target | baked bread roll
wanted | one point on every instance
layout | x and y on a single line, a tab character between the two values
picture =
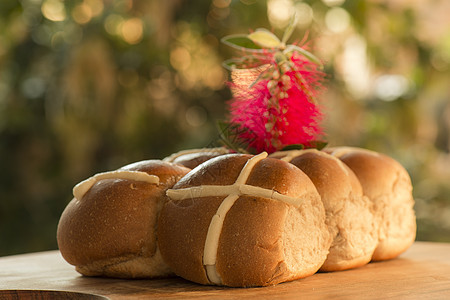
194	157
388	186
349	214
109	228
240	220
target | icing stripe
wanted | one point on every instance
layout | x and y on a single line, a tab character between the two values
247	169
226	190
83	187
291	154
202	191
256	191
215	227
212	274
218	150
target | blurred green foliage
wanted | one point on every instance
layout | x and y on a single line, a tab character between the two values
91	85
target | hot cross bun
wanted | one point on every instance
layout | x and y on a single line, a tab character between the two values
241	220
109	228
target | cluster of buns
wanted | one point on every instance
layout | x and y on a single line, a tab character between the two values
221	218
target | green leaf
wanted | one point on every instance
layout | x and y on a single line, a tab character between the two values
265	38
319	145
241	42
231	63
289	29
229	136
308	55
293	147
222	126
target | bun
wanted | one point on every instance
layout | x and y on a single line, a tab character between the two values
193	158
387	184
109	228
349	214
241	220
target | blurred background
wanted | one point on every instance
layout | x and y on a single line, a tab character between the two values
91	85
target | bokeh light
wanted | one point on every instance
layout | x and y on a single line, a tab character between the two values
82	13
113	24
355	66
132	30
333	2
280	12
337	19
391	87
54	10
304	14
196	116
180	58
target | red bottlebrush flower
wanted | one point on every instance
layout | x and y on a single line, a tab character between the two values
275	107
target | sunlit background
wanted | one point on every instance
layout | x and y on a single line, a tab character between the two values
91	85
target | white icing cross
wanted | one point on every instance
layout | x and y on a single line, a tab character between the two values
289	154
341	151
232	193
218	150
83	187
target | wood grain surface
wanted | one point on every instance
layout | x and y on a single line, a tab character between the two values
423	272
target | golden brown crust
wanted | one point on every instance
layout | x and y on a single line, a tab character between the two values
254	241
252	257
376	172
114	224
168	173
182	230
88	225
270	175
388	186
349	213
330	177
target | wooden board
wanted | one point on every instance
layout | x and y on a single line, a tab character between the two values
423	272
